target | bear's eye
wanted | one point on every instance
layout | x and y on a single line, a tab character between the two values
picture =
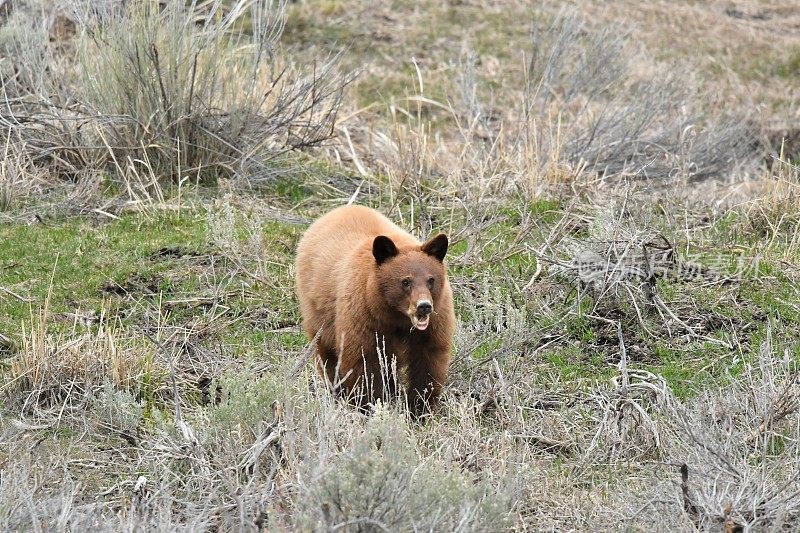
430	283
406	283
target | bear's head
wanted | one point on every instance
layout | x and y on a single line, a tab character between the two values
411	280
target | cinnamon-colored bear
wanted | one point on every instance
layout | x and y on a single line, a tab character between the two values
373	294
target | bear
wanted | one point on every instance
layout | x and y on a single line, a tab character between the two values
371	293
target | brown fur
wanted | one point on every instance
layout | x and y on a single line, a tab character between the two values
360	304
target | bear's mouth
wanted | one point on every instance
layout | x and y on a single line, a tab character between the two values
420	322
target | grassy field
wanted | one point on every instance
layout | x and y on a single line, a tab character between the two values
621	188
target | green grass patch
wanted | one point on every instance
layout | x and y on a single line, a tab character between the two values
74	261
165	265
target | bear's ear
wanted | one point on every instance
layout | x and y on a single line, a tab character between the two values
437	247
383	248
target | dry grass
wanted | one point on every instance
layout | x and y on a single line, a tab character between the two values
276	452
55	370
742	48
586	104
19	178
775	211
564	120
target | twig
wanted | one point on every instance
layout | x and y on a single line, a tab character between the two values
15	295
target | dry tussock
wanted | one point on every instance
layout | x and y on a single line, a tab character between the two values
59	369
775	212
20	179
734	445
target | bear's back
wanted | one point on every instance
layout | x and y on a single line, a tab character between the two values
334	235
331	248
355	223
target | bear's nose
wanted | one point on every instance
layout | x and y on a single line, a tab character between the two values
424	308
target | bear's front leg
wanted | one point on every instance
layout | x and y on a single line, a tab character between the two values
427	374
326	363
364	373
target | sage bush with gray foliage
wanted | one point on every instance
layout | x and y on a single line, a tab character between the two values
587	101
160	94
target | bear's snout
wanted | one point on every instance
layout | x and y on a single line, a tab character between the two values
420	317
424	308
